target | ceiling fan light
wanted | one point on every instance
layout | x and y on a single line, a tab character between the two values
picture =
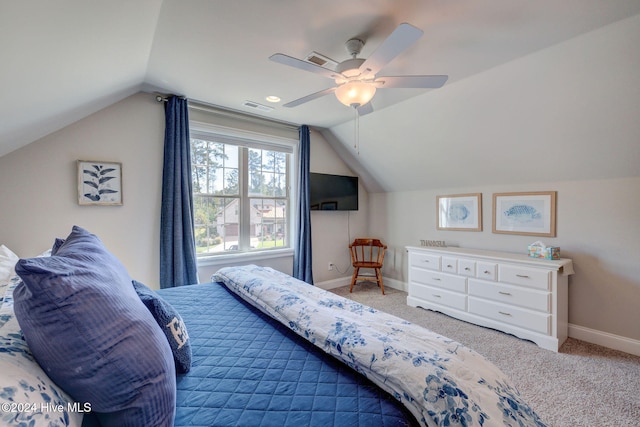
355	93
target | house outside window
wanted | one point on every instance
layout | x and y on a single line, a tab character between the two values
241	193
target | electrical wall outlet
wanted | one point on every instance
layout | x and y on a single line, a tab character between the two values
330	266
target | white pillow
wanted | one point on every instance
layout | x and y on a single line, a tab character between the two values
29	396
7	263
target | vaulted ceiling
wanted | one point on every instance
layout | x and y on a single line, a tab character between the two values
63	60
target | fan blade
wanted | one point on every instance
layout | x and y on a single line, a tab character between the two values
365	109
429	82
303	65
309	97
399	40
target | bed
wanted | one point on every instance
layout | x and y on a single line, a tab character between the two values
264	350
248	369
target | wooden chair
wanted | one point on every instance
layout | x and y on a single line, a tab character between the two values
367	253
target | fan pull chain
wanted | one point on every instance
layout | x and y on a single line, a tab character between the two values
356	136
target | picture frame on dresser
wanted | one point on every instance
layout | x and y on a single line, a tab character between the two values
459	212
99	183
528	213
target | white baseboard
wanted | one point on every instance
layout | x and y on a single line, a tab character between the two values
395	284
332	284
605	339
345	281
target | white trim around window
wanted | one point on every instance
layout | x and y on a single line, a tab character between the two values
255	140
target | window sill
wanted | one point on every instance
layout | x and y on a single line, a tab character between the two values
244	257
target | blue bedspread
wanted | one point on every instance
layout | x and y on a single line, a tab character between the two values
442	382
250	370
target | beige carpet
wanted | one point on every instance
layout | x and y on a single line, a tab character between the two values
582	385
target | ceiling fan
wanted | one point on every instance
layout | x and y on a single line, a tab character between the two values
355	78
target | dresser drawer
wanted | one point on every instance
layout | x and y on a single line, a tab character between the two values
527	298
487	270
467	267
521	317
441	280
439	296
432	262
510	292
449	265
534	278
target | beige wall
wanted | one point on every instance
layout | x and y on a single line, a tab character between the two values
332	231
39	189
597	227
40	192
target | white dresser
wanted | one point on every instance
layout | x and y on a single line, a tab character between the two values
513	293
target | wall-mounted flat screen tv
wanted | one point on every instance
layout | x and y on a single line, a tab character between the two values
333	192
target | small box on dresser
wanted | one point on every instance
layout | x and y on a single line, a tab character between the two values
513	293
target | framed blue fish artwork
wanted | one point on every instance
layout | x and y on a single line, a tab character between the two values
459	212
530	213
99	183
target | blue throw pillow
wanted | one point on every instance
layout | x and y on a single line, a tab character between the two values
171	324
56	245
87	328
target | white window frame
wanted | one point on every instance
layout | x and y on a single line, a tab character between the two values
250	139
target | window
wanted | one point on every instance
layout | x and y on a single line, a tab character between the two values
240	193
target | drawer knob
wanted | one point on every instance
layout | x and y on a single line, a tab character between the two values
504	293
437	278
524	276
437	296
467	269
504	313
487	272
449	266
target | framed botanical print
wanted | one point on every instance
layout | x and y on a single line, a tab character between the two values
99	183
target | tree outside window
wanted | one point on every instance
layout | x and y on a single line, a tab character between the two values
241	200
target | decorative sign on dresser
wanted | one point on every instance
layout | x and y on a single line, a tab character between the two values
513	293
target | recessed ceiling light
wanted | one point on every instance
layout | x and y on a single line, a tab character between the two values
272	98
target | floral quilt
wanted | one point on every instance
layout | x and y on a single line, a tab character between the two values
28	397
442	382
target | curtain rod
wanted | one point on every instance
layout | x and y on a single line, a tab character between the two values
211	108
